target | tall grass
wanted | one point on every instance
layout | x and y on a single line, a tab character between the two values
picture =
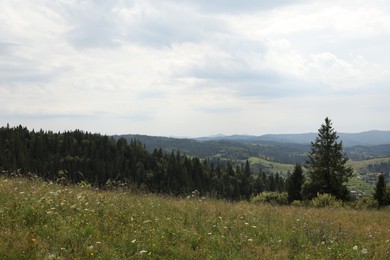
40	220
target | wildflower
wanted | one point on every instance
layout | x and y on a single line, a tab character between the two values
133	241
355	248
254	227
364	251
246	223
209	233
250	239
143	252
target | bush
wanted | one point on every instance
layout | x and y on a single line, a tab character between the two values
365	203
297	203
274	198
325	200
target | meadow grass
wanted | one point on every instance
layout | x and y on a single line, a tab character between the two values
40	220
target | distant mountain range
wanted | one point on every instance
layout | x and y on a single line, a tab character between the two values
369	138
283	148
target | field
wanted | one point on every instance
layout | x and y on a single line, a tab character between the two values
362	166
40	220
266	165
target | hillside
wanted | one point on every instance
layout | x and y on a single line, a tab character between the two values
368	138
245	147
227	149
41	220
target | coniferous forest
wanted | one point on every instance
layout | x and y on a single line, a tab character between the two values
78	156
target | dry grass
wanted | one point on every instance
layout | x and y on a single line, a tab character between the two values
39	220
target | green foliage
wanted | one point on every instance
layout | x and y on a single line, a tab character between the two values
325	200
365	203
380	190
327	165
104	162
297	203
274	198
294	184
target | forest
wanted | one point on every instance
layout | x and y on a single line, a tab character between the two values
78	156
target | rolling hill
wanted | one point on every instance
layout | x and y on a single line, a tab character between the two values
274	151
368	138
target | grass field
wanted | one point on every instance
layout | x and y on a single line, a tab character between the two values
266	165
40	220
361	166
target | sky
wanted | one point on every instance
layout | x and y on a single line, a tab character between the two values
195	68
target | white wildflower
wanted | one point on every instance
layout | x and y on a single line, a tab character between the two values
355	248
143	252
364	251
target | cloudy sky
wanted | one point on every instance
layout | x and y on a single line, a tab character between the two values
195	67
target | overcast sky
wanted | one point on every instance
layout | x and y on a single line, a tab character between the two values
195	67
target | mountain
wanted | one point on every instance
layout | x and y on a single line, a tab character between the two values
281	148
369	138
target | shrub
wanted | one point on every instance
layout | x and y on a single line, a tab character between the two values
325	200
365	203
296	203
274	198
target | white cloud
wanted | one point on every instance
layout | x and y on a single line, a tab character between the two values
194	67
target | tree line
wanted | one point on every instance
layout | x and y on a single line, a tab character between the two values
76	156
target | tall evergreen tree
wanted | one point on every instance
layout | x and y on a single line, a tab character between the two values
327	169
294	184
380	190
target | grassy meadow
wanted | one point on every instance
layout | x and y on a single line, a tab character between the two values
40	220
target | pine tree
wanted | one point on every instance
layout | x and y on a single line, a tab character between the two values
380	190
294	184
327	169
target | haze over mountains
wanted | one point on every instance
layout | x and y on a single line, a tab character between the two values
368	138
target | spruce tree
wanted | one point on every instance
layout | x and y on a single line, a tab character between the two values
327	169
380	190
294	184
